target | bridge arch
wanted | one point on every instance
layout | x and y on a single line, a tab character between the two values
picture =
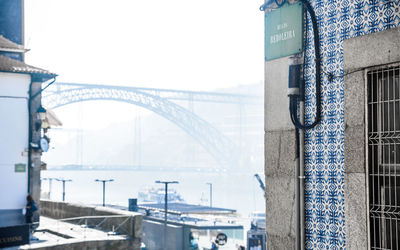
211	139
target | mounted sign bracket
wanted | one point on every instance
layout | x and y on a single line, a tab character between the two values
284	31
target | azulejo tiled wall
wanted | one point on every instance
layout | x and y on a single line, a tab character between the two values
325	198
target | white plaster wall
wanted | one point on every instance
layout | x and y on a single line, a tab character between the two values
12	84
13	139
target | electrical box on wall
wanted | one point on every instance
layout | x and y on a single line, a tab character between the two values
284	31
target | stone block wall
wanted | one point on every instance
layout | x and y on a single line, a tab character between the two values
63	210
34	169
335	177
360	54
279	158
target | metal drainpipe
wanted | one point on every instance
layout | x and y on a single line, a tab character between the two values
299	184
300	188
29	136
297	190
301	178
295	91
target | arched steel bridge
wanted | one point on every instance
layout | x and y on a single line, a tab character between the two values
160	101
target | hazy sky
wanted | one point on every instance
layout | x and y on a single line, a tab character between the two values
179	44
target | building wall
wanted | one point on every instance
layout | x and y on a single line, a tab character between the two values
279	158
384	48
14	100
153	234
34	184
330	189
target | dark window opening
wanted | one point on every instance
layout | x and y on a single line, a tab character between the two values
384	157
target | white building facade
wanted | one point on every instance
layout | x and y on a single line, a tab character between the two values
20	133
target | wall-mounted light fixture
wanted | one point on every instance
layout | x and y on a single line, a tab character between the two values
41	116
41	113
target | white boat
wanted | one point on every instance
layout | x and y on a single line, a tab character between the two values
157	195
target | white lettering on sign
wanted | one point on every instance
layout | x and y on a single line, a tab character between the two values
281	26
282	36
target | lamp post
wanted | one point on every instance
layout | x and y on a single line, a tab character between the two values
50	182
209	183
166	207
63	182
104	188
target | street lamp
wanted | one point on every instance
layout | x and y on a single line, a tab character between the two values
50	182
41	116
63	181
41	113
209	183
104	188
166	207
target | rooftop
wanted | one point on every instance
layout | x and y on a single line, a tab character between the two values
10	65
9	46
188	208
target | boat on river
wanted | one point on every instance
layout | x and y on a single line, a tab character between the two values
157	195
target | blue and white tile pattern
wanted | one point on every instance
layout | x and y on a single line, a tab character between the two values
325	198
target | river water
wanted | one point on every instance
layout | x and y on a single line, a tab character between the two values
238	191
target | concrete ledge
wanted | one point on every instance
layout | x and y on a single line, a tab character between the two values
56	234
371	50
84	244
63	210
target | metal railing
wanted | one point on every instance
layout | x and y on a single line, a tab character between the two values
112	223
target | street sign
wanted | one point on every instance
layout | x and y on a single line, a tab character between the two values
20	168
221	239
284	31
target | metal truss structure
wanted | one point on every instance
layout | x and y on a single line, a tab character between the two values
169	94
160	102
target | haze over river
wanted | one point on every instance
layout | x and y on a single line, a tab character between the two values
233	190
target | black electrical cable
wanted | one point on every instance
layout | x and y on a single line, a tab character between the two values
293	99
264	6
280	4
293	112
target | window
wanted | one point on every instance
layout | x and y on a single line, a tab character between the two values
384	157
